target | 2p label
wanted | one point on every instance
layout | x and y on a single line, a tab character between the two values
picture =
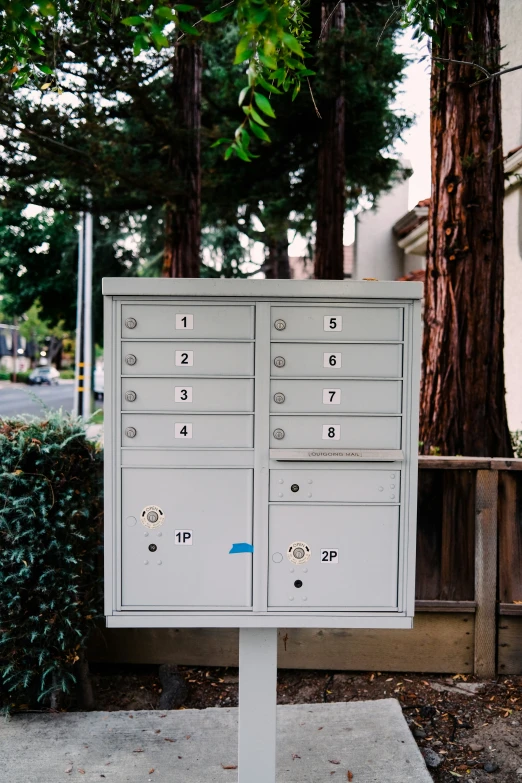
330	556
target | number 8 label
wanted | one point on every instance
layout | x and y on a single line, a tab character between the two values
331	432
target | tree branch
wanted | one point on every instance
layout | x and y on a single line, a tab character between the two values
488	76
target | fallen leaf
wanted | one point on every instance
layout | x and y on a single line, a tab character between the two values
320	728
69	768
295	756
180	757
187	736
349	775
158	731
151	771
168	739
81	771
333	761
138	750
229	766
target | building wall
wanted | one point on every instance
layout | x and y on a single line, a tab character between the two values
376	251
511	38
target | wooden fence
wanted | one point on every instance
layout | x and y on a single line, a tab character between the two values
469	592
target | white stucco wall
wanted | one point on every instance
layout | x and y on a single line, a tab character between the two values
376	251
511	37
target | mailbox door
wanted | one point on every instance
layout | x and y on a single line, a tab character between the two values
187	358
353	562
188	394
187	321
205	513
186	431
350	432
321	396
330	361
337	323
353	485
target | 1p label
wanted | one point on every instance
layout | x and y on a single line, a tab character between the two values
183	537
330	556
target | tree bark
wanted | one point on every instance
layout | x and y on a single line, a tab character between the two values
277	264
463	407
181	256
331	174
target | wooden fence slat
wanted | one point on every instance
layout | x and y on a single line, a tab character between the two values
429	535
486	572
458	536
510	537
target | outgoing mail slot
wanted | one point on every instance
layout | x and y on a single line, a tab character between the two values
337	323
188	394
186	321
351	558
340	397
186	358
336	361
357	485
186	431
183	559
341	432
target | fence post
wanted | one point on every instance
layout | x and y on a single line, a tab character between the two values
486	523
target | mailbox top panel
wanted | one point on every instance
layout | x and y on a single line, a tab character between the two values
262	289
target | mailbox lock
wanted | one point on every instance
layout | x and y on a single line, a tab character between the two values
279	397
280	324
279	361
131	323
279	434
297	582
130	396
130	359
130	432
152	547
295	487
152	517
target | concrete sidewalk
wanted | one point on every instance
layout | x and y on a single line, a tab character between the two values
370	739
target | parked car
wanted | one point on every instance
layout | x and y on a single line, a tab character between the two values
98	382
41	375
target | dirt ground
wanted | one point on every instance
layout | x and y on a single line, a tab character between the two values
466	728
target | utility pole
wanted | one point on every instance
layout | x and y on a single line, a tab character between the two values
83	368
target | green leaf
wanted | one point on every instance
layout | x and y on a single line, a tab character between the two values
259	132
270	62
257	117
20	80
296	91
240	58
46	8
188	28
141	42
217	16
218	142
228	152
164	12
242	95
133	20
159	38
292	43
264	104
184	7
44	69
241	153
243	48
269	87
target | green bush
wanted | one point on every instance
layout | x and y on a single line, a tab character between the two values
516	440
21	377
50	545
67	374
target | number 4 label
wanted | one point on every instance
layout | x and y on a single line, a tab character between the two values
330	556
182	430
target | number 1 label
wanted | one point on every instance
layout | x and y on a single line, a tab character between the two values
184	321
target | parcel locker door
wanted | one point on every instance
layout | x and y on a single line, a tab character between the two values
186	358
187	321
197	395
335	322
178	527
350	485
331	361
344	432
333	557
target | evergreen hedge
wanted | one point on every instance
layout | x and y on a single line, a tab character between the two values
50	547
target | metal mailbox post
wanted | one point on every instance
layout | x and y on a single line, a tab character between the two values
260	465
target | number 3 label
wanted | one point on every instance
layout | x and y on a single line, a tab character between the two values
331	432
182	393
333	323
182	430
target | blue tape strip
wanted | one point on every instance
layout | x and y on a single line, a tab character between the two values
238	548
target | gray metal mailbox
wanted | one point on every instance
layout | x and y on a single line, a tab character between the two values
261	453
260	465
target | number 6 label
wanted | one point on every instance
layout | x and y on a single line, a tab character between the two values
331	431
332	360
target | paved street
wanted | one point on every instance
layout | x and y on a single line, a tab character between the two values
21	398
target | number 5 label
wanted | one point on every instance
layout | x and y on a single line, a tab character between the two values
333	323
331	432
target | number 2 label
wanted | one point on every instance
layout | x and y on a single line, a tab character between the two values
331	432
184	358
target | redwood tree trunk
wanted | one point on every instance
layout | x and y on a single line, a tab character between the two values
181	256
331	175
277	264
462	395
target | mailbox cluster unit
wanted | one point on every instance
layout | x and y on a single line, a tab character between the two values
261	442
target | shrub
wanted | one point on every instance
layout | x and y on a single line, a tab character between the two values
67	374
516	440
50	545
